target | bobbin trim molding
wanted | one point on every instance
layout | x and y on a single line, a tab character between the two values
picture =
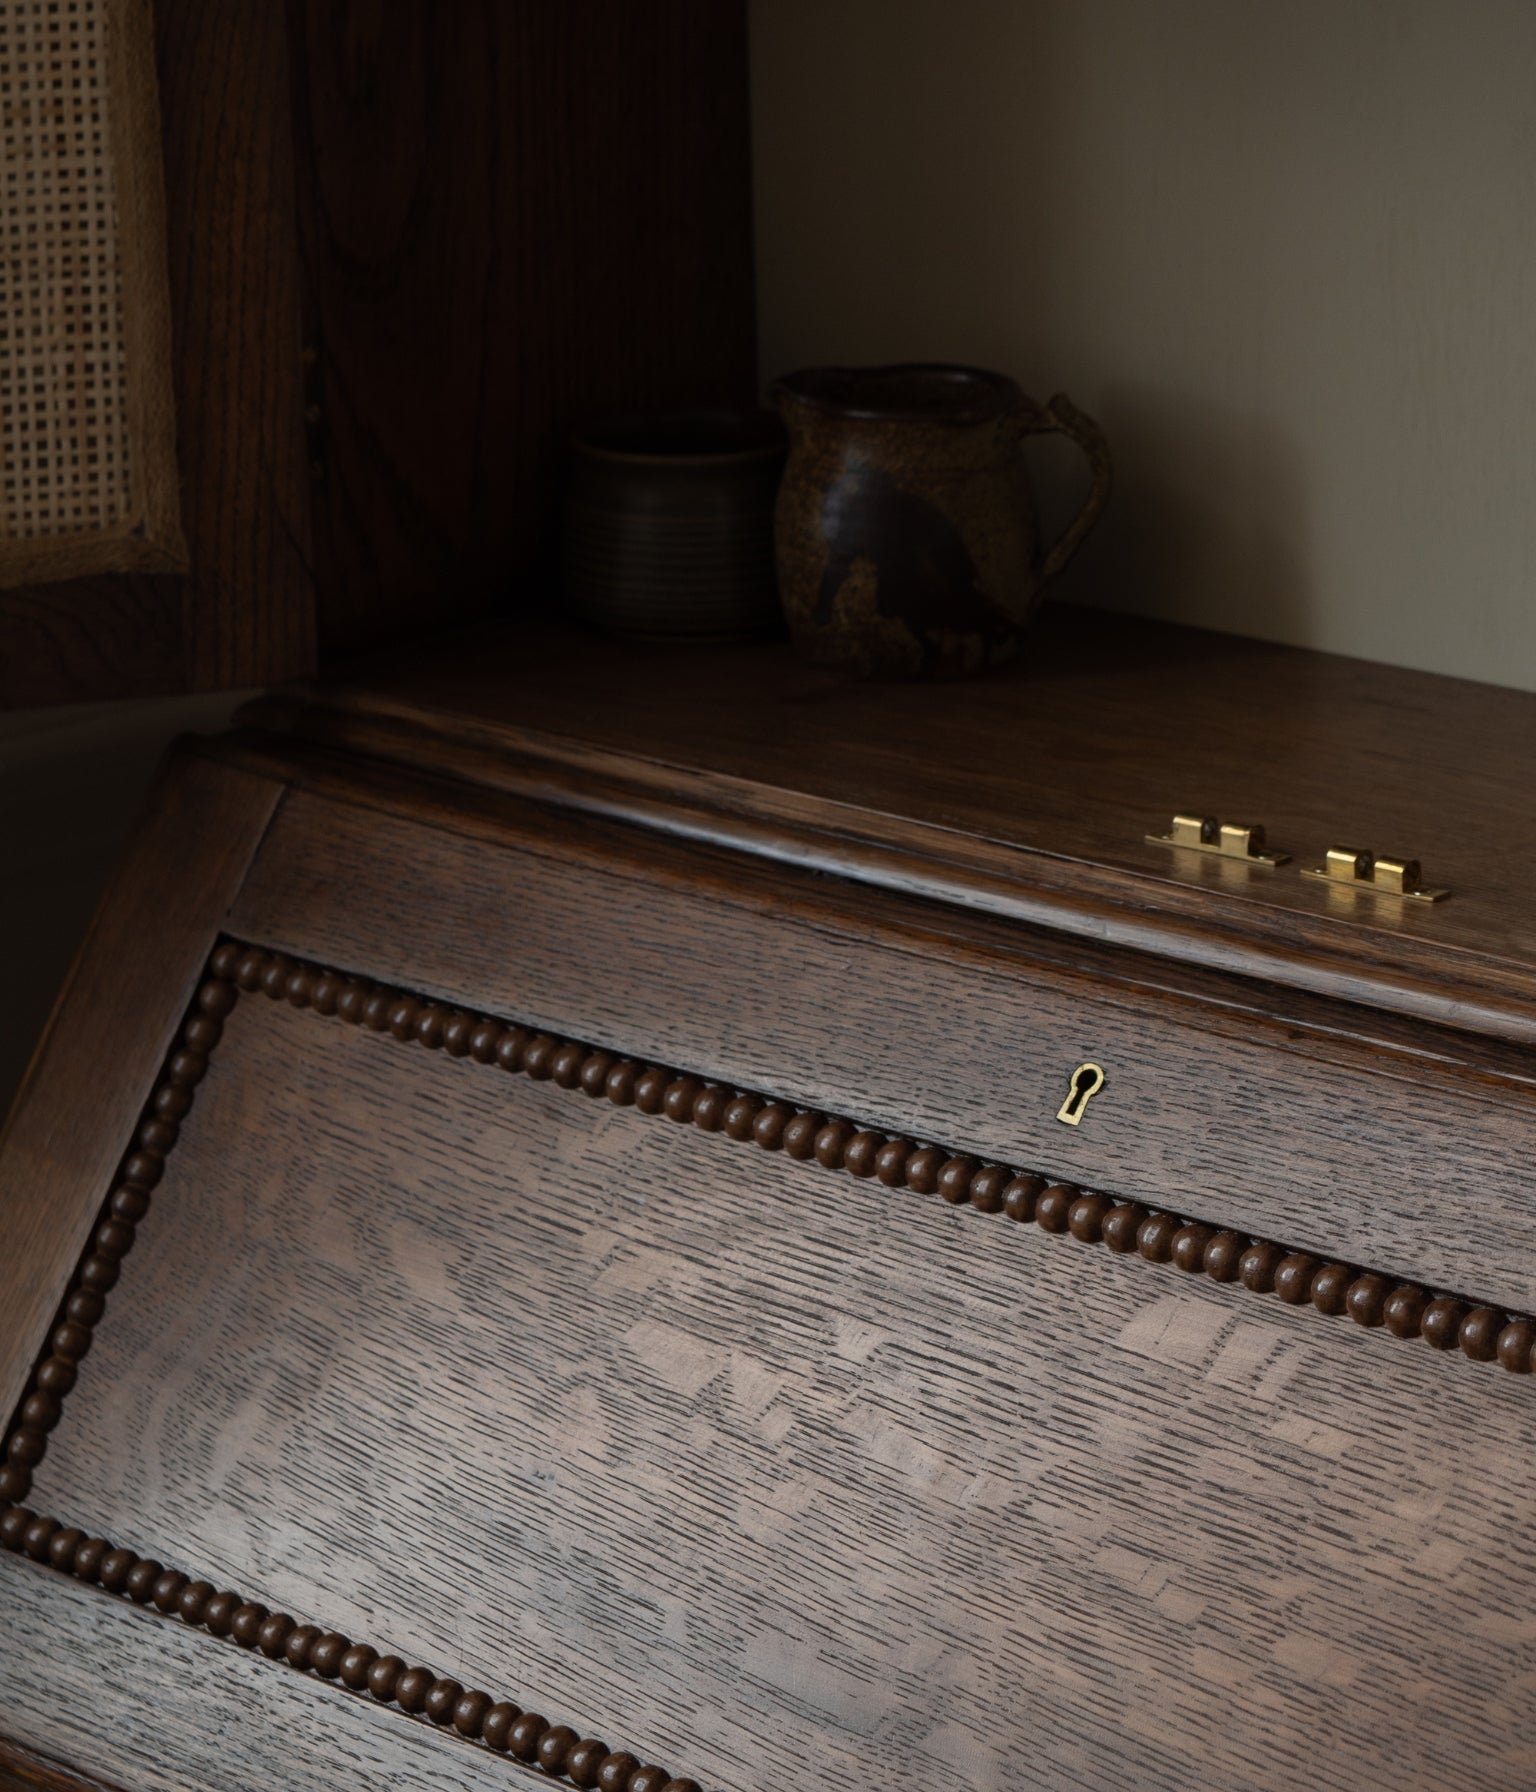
1127	1228
501	1724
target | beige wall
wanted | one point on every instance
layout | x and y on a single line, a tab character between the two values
1285	250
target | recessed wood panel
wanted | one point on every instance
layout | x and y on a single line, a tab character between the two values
791	1480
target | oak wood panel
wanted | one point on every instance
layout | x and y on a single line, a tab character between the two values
1030	792
155	1707
781	1476
511	215
1411	1167
245	614
74	1114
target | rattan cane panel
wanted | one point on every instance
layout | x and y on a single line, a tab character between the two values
61	307
85	428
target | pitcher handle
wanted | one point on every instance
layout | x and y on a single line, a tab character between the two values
1062	415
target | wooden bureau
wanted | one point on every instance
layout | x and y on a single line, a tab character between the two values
542	1237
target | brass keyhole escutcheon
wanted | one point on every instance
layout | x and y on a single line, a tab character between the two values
1087	1080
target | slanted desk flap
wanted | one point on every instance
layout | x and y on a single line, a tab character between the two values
769	1475
602	1409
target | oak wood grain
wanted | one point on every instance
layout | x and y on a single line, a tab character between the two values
784	1476
74	1113
155	1707
248	610
1029	793
1412	1166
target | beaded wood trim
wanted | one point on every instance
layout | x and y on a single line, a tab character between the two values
1127	1228
501	1724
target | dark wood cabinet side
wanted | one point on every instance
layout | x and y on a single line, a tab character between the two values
410	246
511	216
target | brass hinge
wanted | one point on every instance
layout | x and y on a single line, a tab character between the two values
1378	876
1204	833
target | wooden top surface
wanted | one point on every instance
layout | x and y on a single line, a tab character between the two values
1030	792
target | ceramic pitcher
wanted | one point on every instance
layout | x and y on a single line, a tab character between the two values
905	534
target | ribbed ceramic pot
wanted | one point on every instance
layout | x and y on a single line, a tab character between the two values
906	539
668	523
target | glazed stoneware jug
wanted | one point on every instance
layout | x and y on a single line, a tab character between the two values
905	532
